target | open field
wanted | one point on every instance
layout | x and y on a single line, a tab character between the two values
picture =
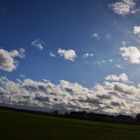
26	126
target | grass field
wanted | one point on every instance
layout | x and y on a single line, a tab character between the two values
25	126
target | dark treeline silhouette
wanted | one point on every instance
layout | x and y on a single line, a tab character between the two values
104	117
82	115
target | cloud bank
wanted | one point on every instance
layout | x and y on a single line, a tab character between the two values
112	97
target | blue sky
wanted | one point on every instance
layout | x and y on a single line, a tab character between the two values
67	25
81	41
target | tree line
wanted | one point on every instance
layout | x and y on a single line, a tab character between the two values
82	115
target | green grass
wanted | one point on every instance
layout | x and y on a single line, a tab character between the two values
25	126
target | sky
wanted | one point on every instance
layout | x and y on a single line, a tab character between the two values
71	55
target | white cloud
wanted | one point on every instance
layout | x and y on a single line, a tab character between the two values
124	7
136	30
67	54
38	44
22	75
17	53
95	35
119	66
88	55
110	97
124	43
113	77
52	54
135	10
131	54
7	59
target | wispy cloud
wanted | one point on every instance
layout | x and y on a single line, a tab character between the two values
95	35
38	44
52	54
119	66
88	55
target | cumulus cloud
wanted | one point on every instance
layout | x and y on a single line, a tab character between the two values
8	59
131	54
124	7
88	55
113	77
67	54
113	96
38	44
